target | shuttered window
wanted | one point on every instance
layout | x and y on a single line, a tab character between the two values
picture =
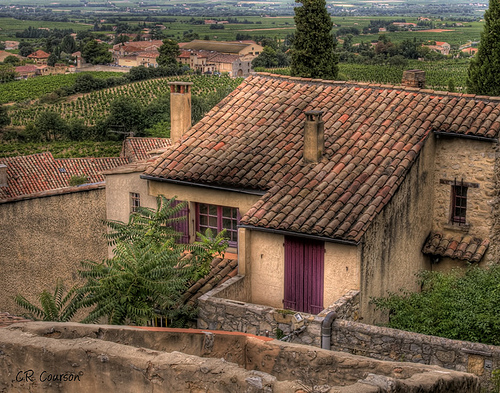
304	267
182	226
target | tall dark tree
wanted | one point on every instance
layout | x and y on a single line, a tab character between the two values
96	53
313	47
4	117
168	53
484	69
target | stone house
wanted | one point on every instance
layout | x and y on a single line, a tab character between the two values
40	57
325	187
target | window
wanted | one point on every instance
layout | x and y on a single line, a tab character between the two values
135	201
218	218
458	203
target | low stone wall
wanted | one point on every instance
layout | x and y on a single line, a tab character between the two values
71	357
392	344
348	335
220	311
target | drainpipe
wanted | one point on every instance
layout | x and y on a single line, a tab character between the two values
326	330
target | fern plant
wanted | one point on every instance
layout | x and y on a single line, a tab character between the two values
53	307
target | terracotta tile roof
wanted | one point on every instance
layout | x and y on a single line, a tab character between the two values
221	271
6	319
253	140
222	58
137	149
41	172
218	46
464	247
26	68
39	54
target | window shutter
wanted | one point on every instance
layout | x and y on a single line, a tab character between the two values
182	226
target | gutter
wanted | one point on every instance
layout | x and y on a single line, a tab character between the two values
326	330
290	233
210	186
465	136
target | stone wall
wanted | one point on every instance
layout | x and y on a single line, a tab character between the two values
45	238
391	344
218	311
69	357
347	334
473	161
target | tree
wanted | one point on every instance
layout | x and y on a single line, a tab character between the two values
96	53
7	73
53	307
14	60
4	117
126	115
52	60
313	47
149	271
168	53
484	68
68	44
25	48
50	126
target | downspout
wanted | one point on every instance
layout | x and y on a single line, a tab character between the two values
326	330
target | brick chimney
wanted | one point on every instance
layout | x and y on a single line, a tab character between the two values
3	176
414	78
180	109
314	140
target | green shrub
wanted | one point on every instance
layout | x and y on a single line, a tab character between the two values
461	305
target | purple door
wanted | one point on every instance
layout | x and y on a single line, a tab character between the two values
304	262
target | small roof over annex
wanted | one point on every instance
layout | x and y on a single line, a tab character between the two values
253	141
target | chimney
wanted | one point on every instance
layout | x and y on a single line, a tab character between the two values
180	109
414	78
314	140
3	176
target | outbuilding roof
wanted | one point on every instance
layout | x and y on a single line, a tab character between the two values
253	141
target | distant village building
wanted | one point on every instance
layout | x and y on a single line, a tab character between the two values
40	57
440	47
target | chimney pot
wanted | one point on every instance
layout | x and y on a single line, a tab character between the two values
180	109
414	78
314	139
3	176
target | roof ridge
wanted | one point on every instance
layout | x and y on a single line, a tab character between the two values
378	85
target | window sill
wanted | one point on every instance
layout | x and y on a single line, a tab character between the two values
457	227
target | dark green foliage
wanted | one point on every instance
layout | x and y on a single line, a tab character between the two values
484	69
4	117
96	53
149	271
168	53
14	60
78	180
457	305
52	60
53	307
313	47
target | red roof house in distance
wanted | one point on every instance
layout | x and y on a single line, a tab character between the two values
39	56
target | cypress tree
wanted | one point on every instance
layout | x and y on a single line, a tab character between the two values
484	69
313	48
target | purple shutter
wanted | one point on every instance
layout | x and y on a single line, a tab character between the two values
183	225
304	263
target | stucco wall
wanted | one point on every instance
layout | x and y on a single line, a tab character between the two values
118	189
267	265
391	253
46	238
474	162
195	194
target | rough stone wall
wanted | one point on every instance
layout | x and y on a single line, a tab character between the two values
62	357
46	238
217	311
392	247
474	162
391	344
